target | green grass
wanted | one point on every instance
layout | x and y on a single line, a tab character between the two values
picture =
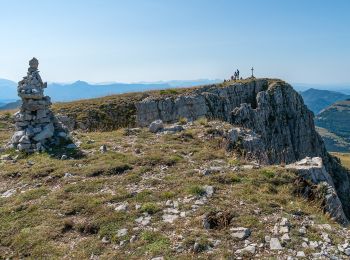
196	190
52	216
150	208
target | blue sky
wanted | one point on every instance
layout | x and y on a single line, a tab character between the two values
148	40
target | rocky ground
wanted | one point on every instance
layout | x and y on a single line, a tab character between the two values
133	194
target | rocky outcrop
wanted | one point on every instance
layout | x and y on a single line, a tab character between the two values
270	108
36	126
312	169
273	125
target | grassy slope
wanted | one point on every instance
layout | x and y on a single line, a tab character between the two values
110	112
333	142
344	157
335	119
53	214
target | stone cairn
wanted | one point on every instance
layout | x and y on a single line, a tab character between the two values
37	129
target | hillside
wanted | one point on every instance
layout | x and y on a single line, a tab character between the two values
224	177
335	119
333	142
317	99
148	195
11	105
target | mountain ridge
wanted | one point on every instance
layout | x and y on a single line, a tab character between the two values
317	99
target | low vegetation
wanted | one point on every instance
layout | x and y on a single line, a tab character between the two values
92	206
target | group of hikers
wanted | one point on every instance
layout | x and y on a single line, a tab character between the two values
235	76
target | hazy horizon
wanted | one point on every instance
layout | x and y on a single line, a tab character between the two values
139	40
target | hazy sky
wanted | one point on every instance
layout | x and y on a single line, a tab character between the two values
147	40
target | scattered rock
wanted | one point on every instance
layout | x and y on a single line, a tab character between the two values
169	218
301	254
285	238
240	233
302	230
212	170
275	244
105	240
250	249
209	190
284	229
64	157
122	207
132	239
122	232
143	220
174	129
103	149
8	193
67	175
267	239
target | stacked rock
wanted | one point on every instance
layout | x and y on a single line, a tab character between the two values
36	126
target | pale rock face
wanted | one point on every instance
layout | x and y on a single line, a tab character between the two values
36	126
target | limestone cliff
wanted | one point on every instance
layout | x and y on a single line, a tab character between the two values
271	108
283	127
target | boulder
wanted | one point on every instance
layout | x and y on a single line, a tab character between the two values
156	126
240	233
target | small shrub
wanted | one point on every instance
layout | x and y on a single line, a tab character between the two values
183	120
196	190
268	173
169	92
226	179
167	195
150	208
203	121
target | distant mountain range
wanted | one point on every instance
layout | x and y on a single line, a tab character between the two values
317	99
342	88
60	92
